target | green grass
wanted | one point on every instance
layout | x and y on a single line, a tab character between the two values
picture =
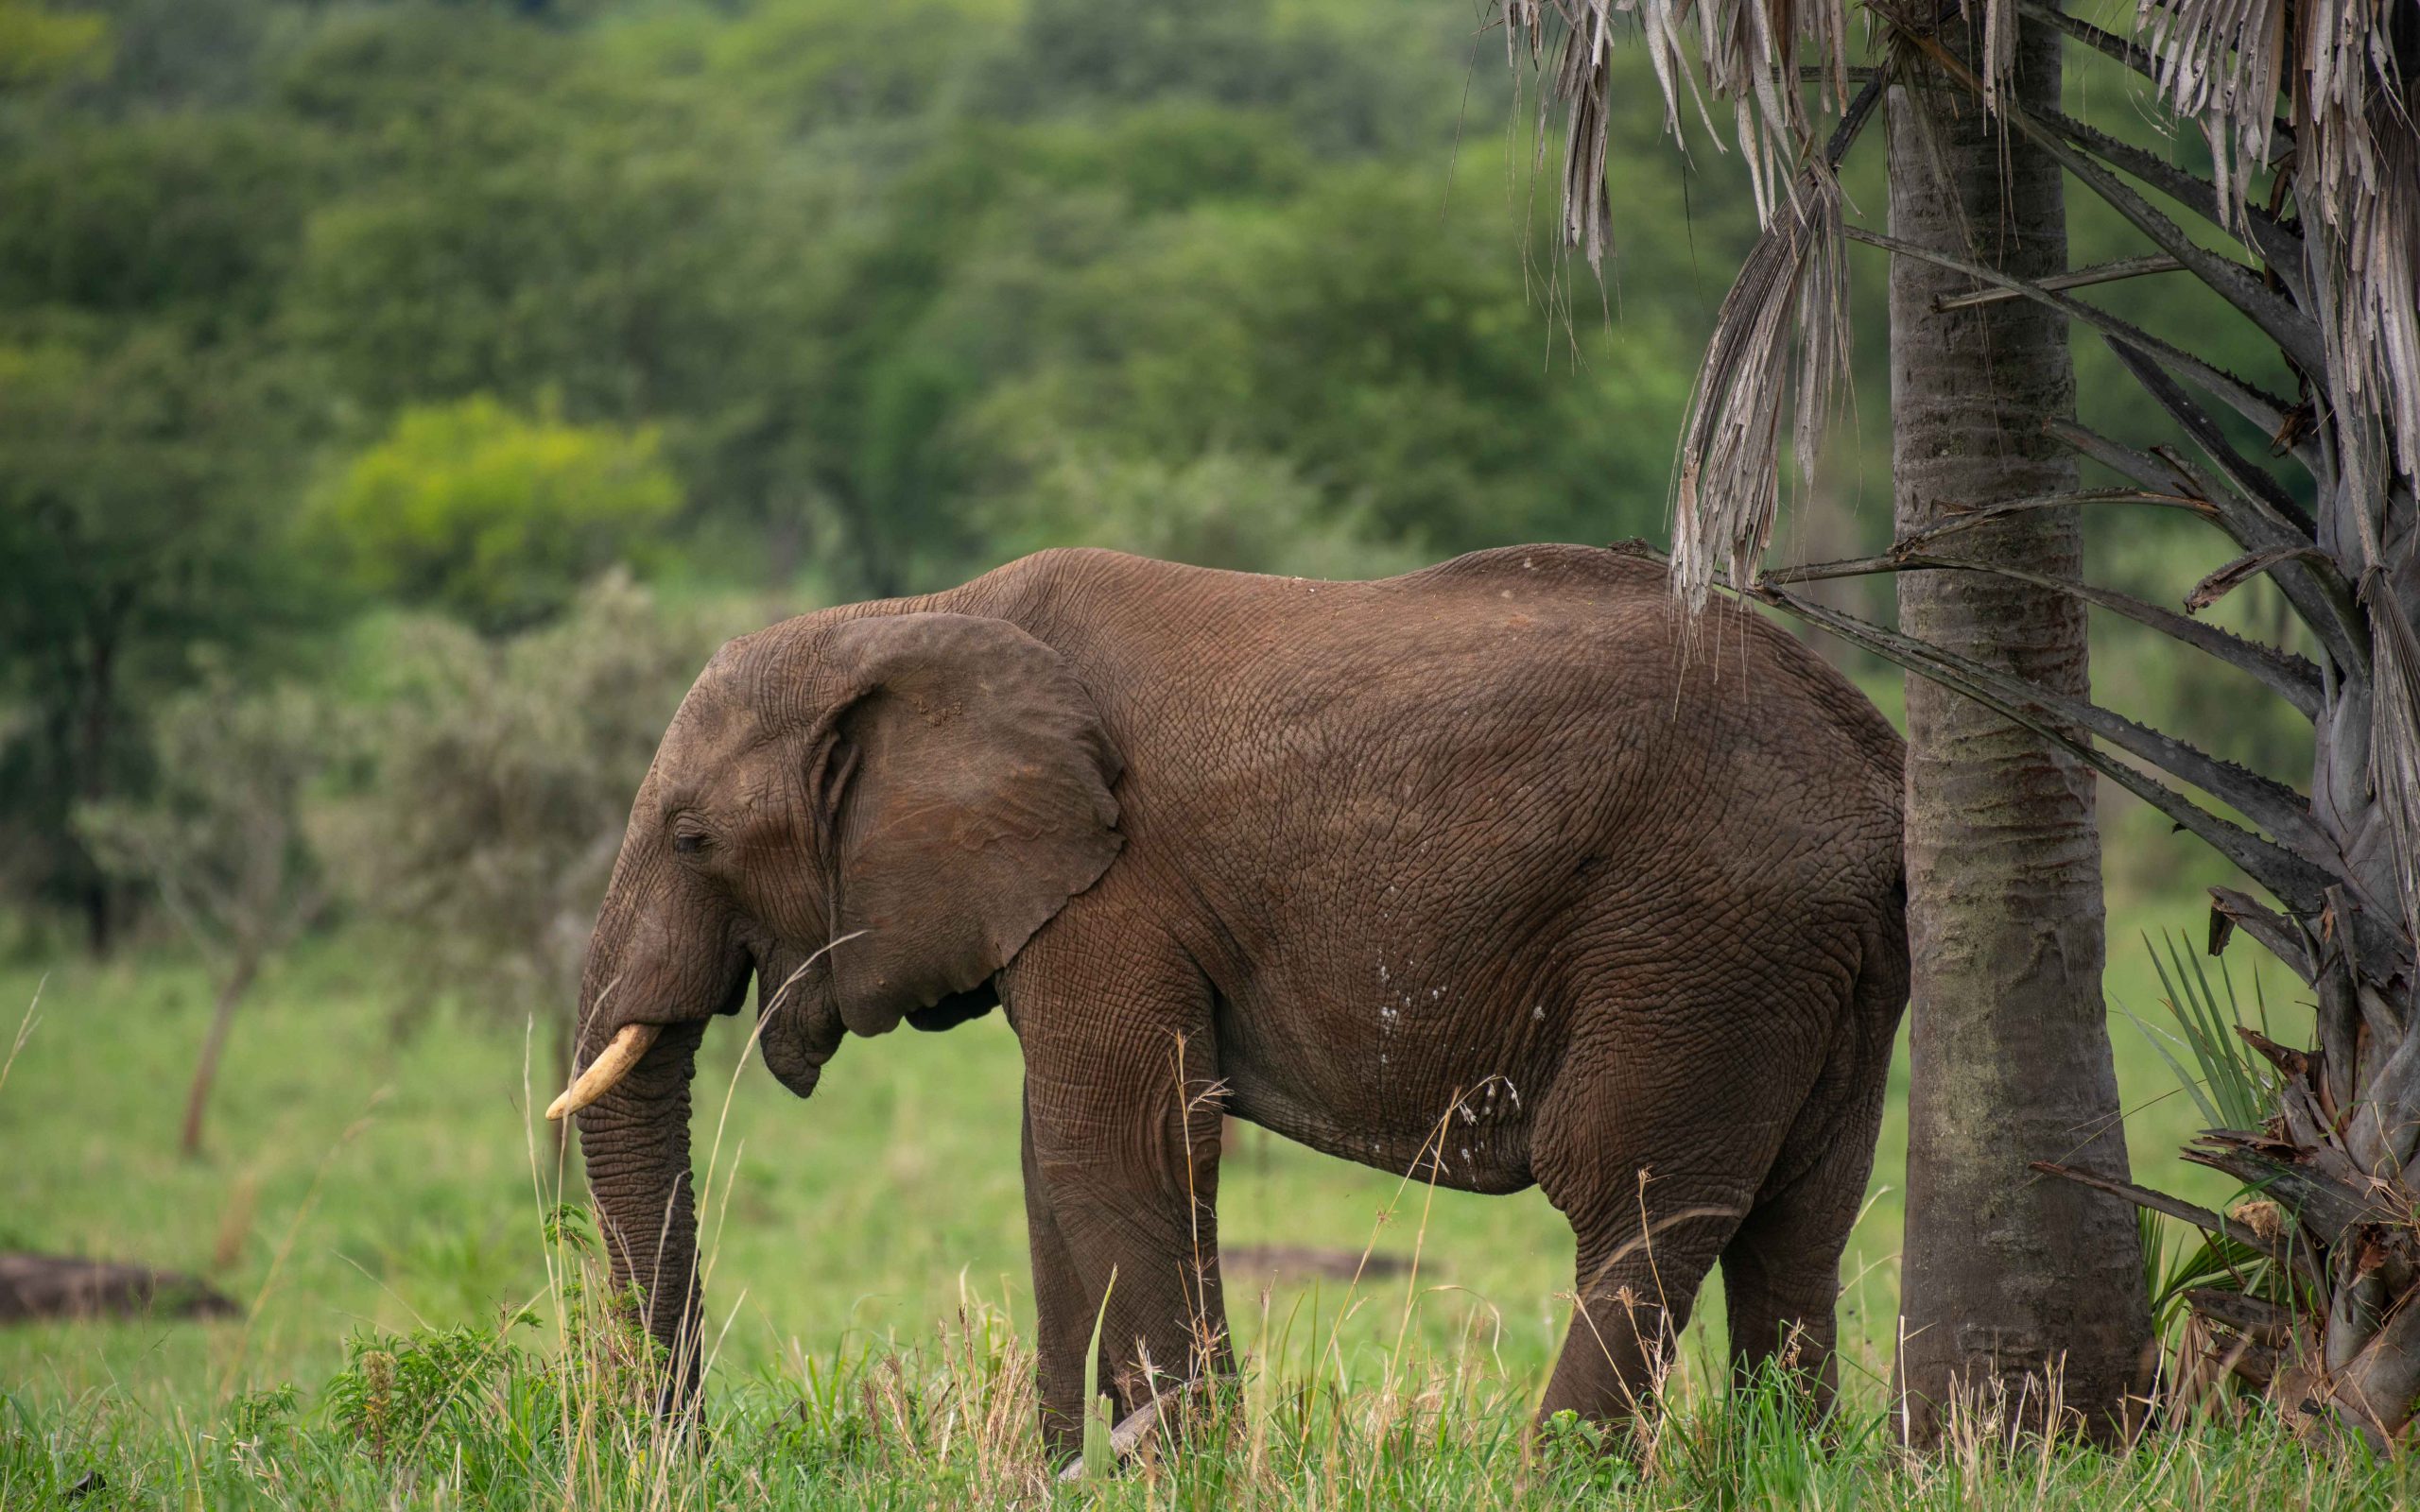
868	1288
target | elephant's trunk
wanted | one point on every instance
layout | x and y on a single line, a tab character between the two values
635	1138
665	959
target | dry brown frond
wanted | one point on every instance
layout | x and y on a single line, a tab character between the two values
1785	315
2395	746
1751	57
1782	336
2377	321
2356	164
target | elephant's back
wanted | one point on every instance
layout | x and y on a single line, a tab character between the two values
1689	736
1722	696
1535	704
1551	663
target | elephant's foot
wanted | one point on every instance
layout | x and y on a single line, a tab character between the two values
1137	1429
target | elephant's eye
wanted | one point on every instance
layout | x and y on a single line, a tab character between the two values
688	843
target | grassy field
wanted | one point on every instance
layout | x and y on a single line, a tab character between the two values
867	1279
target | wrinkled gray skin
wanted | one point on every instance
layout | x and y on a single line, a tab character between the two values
1489	871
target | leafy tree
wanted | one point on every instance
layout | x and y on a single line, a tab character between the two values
873	280
498	519
1346	80
181	55
764	236
149	435
823	66
132	531
556	219
221	836
1390	353
191	220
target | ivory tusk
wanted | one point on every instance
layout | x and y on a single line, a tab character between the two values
610	1066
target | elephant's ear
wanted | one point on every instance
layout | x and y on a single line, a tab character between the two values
963	792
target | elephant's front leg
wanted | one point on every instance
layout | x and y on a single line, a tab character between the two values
1063	1328
1121	1162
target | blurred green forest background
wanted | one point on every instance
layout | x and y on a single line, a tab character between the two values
311	314
399	400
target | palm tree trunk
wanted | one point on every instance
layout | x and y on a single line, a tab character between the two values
2008	1279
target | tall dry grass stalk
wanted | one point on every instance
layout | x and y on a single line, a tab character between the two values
24	1031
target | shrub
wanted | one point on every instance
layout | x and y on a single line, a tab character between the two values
500	779
472	508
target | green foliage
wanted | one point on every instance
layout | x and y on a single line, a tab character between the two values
196	218
2179	1260
1346	80
499	780
497	518
150	436
2230	1086
828	64
865	270
40	43
867	296
426	1391
134	466
1392	359
2228	1081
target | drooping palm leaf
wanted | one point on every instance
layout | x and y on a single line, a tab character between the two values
1783	318
2293	877
2263	409
2343	67
2291	677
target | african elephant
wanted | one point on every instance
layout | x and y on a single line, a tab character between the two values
1506	872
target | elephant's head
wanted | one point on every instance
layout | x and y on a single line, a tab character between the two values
871	816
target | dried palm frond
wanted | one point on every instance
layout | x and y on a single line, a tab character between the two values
1786	312
2394	744
2220	64
1785	315
1750	56
1997	59
2378	323
2293	678
2073	724
2308	107
2355	163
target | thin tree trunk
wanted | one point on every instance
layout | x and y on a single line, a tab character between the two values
2008	1279
93	735
206	1070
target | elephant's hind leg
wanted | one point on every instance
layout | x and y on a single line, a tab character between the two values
1633	1148
1781	1273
